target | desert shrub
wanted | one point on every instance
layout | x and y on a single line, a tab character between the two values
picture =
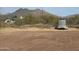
18	22
51	20
73	21
31	20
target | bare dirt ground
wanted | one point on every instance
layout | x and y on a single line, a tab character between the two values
35	39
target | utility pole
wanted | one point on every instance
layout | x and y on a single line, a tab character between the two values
42	11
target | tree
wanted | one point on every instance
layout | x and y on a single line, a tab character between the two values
51	20
73	21
31	20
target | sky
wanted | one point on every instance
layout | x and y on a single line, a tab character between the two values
60	11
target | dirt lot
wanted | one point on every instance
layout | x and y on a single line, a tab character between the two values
39	40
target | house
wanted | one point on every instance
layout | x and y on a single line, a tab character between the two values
9	21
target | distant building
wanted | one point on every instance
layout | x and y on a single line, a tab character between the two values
9	21
21	17
61	24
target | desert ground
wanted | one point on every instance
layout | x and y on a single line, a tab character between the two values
35	39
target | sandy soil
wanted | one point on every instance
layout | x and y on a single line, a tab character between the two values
35	39
3	30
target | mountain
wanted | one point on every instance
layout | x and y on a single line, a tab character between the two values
34	16
25	12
